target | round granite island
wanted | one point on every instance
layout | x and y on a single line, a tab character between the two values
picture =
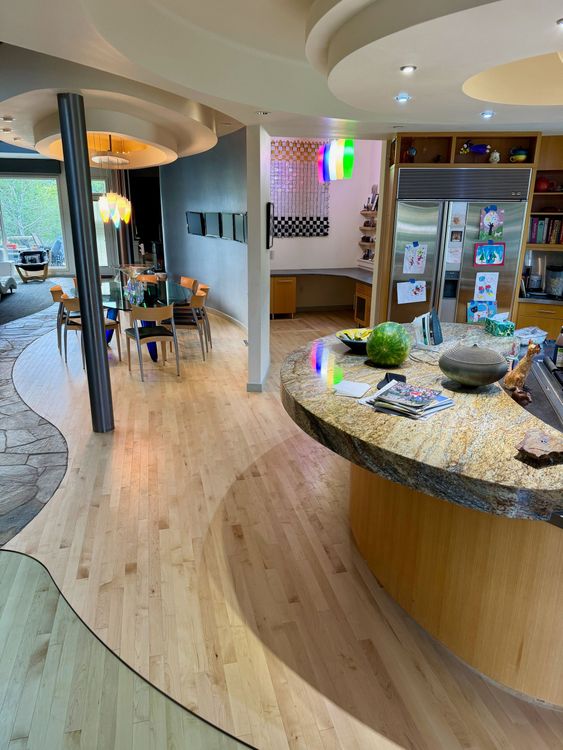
449	519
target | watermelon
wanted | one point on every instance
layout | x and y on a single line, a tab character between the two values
388	345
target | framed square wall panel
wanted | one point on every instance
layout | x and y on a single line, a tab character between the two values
196	222
227	226
212	224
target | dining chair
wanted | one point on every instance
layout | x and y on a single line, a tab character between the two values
147	278
205	289
57	294
73	321
189	283
163	330
197	309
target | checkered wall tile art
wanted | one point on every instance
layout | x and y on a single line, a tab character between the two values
300	200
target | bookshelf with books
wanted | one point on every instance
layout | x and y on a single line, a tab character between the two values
542	262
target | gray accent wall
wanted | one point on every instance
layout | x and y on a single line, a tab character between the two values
212	181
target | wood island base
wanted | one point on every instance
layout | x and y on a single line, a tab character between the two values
490	588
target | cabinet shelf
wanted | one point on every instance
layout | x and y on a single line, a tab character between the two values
366	244
554	248
365	212
368	230
546	213
554	192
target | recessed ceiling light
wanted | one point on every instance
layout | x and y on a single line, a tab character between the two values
7	118
6	130
559	22
18	138
403	97
262	112
407	68
487	114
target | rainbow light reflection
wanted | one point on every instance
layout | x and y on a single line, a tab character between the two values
335	160
324	364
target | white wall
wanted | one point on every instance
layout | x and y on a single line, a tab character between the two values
258	194
347	197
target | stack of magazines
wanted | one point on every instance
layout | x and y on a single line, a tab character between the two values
412	401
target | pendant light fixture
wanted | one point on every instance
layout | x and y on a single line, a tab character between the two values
112	205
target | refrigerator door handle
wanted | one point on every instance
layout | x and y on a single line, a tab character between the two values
440	265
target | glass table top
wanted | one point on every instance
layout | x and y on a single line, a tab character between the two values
161	293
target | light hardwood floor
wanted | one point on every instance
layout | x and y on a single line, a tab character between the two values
62	688
207	542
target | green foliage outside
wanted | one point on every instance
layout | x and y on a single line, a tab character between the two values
31	206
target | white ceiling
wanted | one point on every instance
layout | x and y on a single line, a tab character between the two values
321	67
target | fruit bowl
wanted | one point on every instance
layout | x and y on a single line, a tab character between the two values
355	338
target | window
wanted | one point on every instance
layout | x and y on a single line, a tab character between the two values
30	217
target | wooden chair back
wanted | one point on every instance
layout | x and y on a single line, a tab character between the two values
204	288
153	314
197	301
147	278
56	292
189	283
71	304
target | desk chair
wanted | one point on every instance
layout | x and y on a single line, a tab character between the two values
163	331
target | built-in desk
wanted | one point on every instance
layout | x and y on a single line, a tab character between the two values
287	295
358	274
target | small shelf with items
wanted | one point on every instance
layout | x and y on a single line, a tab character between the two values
422	149
491	148
479	149
368	229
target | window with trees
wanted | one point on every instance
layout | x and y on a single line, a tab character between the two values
30	217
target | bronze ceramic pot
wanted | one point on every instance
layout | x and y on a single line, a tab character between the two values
473	365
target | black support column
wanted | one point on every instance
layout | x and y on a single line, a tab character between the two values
79	186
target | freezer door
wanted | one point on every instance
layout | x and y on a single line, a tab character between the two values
514	213
417	221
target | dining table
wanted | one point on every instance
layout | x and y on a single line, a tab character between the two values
118	296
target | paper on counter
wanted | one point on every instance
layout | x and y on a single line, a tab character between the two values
351	388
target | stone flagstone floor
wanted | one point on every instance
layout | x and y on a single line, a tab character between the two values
33	453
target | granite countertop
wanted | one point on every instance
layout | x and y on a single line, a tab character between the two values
465	454
359	274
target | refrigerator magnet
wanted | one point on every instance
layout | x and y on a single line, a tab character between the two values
489	254
411	291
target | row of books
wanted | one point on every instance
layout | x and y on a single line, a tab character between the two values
412	401
544	231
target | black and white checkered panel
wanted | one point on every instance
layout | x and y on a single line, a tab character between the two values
300	226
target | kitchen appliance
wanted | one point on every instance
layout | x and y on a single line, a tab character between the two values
554	281
440	210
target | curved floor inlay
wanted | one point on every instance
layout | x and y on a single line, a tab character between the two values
61	687
33	453
206	542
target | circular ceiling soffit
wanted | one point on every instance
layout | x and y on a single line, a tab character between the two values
144	144
533	81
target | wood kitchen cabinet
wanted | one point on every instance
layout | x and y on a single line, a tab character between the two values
547	317
362	304
283	295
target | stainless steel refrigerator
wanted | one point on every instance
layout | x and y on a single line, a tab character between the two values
449	231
